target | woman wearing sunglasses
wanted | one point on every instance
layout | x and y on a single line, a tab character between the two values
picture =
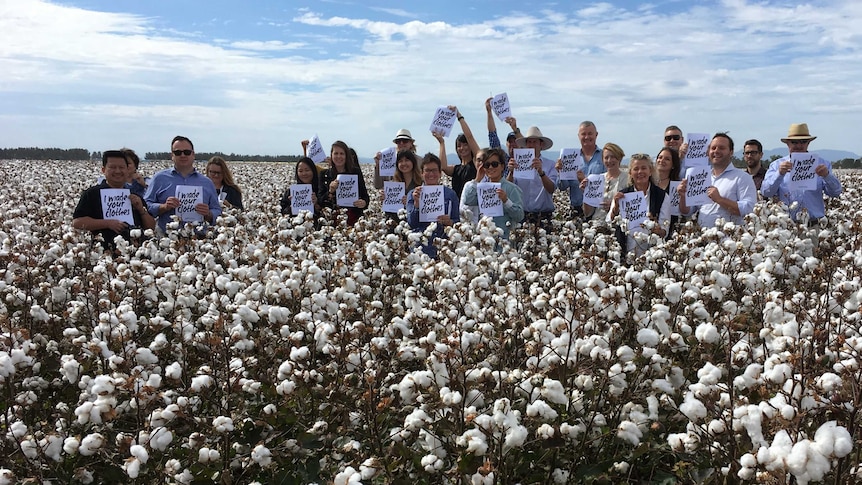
489	162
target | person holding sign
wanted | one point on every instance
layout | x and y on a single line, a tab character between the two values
432	169
403	141
504	201
408	173
615	180
228	191
342	163
801	177
110	208
493	139
731	190
466	147
539	189
653	220
304	173
161	198
591	158
668	166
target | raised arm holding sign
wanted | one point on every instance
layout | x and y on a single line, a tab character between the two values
315	150
500	104
444	120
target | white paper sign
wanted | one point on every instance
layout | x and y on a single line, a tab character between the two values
315	150
116	205
634	208
388	162
190	196
431	203
698	150
594	192
500	105
801	176
301	198
489	202
674	198
393	195
697	183
572	162
444	120
524	163
348	190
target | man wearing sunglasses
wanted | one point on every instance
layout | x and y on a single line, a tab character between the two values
673	139
775	182
161	196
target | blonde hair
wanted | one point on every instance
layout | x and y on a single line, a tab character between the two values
615	150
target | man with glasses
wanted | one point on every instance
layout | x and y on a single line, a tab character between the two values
752	152
775	182
161	196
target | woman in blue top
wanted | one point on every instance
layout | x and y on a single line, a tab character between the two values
431	172
489	161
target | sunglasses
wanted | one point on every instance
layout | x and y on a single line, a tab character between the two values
493	164
799	142
182	152
672	137
751	152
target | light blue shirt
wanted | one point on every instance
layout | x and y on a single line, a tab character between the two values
164	185
513	211
775	184
593	166
536	198
733	184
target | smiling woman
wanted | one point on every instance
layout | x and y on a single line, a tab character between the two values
229	192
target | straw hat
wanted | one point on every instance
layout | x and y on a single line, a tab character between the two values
403	134
534	132
798	131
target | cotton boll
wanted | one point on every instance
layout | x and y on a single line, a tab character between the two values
261	455
629	431
707	333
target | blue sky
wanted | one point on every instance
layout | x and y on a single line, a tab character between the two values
257	77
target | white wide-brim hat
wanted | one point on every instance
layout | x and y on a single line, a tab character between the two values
535	132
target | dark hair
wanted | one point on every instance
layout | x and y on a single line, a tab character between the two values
314	174
181	138
675	165
350	160
415	173
431	159
495	151
462	138
113	154
673	128
755	143
727	137
131	156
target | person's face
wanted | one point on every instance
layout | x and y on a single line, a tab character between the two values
511	144
339	158
215	174
610	160
405	166
304	173
751	155
535	144
719	152
182	154
640	172
116	171
463	150
664	162
587	136
493	166
673	139
404	144
431	174
797	146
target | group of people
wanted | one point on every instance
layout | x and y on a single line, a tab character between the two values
732	192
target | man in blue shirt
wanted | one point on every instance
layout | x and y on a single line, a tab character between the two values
775	182
591	154
538	192
161	197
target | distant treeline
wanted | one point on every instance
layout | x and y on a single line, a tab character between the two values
34	153
231	156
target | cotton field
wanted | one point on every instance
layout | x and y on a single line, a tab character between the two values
274	352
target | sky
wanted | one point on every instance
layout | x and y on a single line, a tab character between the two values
258	77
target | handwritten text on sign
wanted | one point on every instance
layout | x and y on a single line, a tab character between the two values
432	203
348	190
524	163
116	205
594	192
500	104
634	208
674	198
698	150
393	195
571	160
801	176
301	198
444	120
697	182
387	162
489	201
315	150
190	196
